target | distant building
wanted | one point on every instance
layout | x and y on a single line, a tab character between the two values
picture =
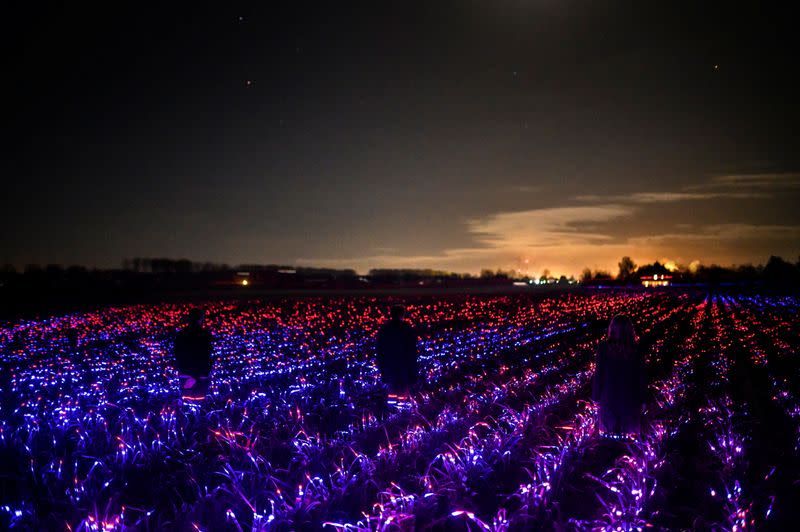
655	274
657	279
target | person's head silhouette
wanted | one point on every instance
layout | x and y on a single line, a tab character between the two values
397	312
195	317
621	332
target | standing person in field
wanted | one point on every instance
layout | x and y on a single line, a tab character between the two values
620	381
397	353
193	356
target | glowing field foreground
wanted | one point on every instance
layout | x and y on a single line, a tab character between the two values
296	435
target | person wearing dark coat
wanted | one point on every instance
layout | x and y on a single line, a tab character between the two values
397	353
620	381
193	348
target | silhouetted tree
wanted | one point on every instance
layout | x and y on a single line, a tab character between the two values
602	275
587	276
183	266
500	274
627	269
653	269
75	270
779	273
54	271
747	273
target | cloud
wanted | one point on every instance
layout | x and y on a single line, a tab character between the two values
734	186
526	188
545	227
734	243
671	197
599	229
720	232
559	238
759	181
552	238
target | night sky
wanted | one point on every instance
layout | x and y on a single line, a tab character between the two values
454	135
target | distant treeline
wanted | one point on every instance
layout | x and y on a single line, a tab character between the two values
188	267
777	273
410	274
184	266
38	290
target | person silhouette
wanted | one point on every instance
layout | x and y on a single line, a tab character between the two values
396	348
193	347
620	382
7	395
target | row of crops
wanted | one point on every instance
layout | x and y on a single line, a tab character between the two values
500	435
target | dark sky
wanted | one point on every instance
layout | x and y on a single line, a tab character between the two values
456	135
